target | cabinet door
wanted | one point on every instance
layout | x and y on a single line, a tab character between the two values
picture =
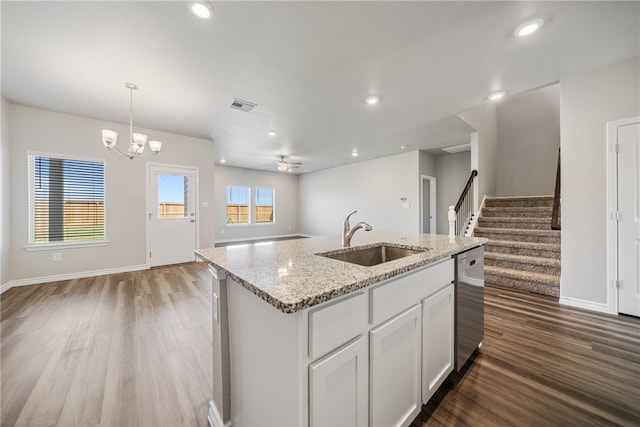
395	370
437	340
338	387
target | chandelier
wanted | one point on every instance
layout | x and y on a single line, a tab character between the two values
137	141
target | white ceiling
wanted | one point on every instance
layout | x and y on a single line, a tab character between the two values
308	66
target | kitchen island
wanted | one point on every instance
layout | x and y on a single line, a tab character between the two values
301	338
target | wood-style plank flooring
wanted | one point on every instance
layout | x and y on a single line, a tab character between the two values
130	349
134	349
544	364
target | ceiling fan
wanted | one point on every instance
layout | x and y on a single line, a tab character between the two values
282	165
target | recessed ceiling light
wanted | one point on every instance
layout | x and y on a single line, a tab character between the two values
354	153
529	27
201	10
272	132
372	100
222	160
496	95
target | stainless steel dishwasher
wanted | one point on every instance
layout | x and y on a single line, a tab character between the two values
469	313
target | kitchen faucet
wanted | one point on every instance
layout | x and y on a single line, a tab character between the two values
347	234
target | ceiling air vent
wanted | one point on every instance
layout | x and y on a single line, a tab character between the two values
241	105
457	148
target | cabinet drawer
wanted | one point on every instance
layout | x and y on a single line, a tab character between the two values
332	325
392	297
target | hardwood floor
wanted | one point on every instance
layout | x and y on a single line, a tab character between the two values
543	364
134	349
129	349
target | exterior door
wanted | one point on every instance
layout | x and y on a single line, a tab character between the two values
171	212
628	139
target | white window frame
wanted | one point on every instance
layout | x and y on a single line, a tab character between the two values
273	205
249	207
31	245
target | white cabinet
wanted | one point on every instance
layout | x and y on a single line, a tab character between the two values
437	340
395	366
338	387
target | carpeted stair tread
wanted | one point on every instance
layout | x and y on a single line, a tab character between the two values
520	223
532	282
524	248
520	201
542	246
521	259
518	235
532	264
518	211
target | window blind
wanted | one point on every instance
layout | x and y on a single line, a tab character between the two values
67	198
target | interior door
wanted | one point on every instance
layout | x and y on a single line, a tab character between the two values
428	200
629	219
171	213
426	206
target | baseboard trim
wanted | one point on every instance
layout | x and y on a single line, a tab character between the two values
587	305
70	276
214	418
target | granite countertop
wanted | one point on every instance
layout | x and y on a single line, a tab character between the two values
290	276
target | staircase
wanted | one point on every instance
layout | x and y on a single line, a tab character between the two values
523	251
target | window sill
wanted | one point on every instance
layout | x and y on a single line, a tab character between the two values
65	245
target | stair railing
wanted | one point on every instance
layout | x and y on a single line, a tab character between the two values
555	213
464	209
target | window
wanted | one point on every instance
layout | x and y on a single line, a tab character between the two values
264	205
66	199
238	205
173	192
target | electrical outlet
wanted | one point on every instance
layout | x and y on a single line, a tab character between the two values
56	256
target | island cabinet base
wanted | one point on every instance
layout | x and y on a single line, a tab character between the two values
371	357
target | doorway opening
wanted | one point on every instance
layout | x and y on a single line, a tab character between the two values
428	204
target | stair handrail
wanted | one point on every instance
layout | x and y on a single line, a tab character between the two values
555	213
464	207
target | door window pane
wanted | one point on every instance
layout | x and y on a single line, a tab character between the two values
237	205
264	205
173	193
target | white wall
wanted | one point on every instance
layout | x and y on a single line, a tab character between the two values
453	171
373	187
483	157
587	103
427	164
286	203
5	153
528	142
51	132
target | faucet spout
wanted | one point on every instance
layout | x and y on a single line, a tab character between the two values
348	234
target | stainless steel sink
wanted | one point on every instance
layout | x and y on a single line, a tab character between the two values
372	255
